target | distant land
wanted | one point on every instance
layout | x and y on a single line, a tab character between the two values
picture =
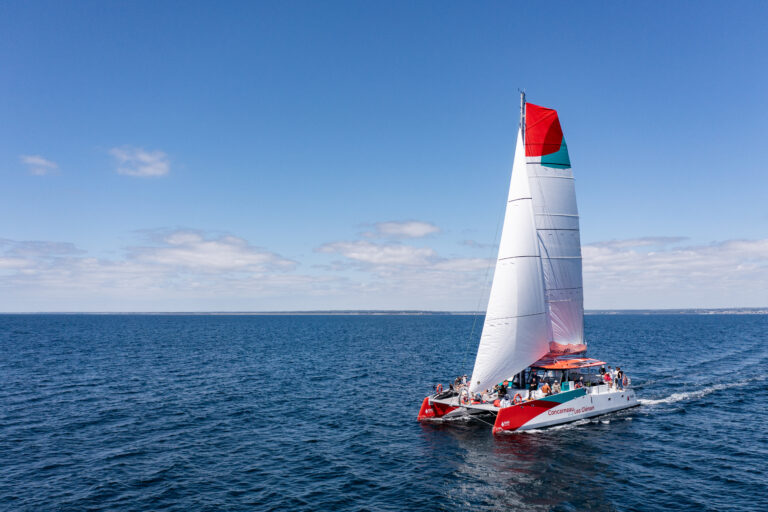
415	312
701	311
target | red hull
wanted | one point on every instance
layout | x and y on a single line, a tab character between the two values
432	411
512	418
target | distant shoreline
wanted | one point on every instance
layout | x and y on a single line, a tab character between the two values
699	311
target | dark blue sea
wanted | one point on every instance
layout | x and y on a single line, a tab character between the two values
196	413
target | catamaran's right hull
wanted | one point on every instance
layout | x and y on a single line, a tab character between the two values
562	408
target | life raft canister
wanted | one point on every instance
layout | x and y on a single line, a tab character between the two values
517	399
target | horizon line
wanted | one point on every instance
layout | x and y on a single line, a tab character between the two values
414	312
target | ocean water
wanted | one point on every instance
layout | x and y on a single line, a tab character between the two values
132	412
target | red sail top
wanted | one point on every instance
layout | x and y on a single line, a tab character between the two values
543	135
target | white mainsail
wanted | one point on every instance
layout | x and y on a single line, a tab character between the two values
536	300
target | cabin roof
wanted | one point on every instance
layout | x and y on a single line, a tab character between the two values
566	364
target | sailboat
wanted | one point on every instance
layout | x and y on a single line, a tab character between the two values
531	369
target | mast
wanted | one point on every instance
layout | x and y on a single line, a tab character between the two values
522	116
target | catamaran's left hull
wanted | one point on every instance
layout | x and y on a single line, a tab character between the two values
431	410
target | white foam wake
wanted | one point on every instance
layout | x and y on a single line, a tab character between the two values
692	395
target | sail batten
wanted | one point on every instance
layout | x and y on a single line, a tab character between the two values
536	301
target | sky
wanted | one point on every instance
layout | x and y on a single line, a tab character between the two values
265	156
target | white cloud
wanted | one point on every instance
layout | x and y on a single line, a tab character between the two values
646	241
189	249
177	270
181	270
38	165
140	162
397	276
380	254
477	245
404	229
620	274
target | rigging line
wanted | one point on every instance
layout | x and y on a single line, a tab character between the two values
494	248
480	419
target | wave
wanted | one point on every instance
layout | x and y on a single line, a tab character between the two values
690	395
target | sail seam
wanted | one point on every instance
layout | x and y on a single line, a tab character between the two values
513	257
511	317
519	199
554	166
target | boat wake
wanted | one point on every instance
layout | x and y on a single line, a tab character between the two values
692	395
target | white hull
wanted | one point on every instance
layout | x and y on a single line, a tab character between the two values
587	406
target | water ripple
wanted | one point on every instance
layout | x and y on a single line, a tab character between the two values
317	413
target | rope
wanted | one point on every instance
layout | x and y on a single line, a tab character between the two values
479	419
494	247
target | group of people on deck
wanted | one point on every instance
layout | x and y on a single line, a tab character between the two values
502	394
614	378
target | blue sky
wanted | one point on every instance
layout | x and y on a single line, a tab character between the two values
351	155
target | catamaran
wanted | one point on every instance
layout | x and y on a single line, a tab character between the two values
531	369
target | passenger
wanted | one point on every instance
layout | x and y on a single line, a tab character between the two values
503	389
505	402
579	383
607	379
464	380
533	386
556	388
546	389
486	396
602	371
619	378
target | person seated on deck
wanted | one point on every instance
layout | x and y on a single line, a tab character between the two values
486	396
546	389
556	388
579	383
